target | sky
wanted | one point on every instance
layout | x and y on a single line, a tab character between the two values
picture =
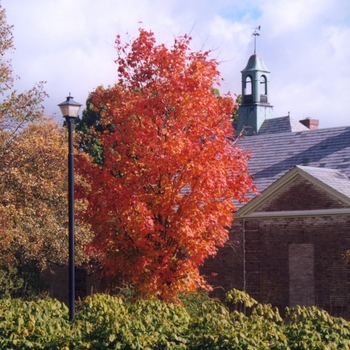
304	44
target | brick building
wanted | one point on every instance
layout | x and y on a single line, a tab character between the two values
287	244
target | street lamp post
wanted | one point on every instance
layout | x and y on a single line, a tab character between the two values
70	110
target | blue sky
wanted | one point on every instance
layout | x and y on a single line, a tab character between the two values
304	43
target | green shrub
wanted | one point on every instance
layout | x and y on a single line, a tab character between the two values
100	323
311	328
107	322
34	325
210	326
115	322
158	325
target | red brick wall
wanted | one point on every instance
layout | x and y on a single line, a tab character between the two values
267	253
301	195
267	260
227	265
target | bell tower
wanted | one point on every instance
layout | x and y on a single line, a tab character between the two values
255	106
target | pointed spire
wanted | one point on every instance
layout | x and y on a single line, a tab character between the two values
255	33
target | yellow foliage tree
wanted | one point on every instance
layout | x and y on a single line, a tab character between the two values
33	203
33	180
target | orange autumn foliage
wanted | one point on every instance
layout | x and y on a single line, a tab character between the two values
163	201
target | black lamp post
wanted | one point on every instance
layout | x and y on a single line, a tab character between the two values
70	110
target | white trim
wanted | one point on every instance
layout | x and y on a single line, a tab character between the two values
294	213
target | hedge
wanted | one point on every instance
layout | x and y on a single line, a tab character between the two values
196	322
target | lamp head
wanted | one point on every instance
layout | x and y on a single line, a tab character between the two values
69	108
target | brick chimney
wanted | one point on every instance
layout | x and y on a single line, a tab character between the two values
310	123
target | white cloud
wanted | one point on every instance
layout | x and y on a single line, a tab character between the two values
304	43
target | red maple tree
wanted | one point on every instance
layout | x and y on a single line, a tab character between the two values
163	200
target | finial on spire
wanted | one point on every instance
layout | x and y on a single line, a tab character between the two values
255	33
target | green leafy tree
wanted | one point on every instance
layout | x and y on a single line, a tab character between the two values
88	130
238	103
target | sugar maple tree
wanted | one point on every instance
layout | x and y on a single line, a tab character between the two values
163	200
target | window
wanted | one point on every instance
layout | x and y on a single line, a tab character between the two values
263	82
248	86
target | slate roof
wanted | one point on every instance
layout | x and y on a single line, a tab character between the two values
273	155
282	124
333	178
